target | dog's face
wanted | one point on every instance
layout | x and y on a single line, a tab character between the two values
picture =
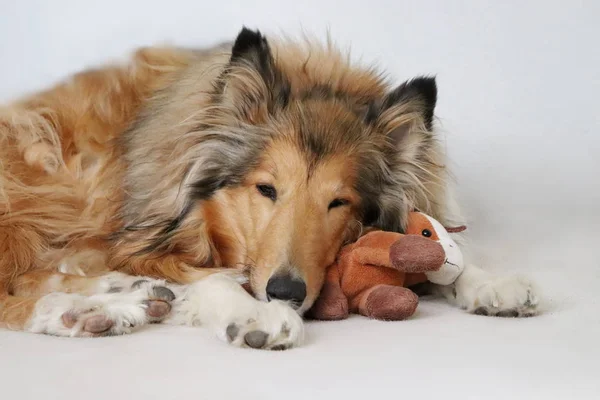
294	153
287	220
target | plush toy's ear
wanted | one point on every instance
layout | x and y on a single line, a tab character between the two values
456	229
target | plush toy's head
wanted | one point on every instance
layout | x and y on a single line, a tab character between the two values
424	225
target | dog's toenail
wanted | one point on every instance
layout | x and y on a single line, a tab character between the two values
256	339
163	293
285	330
114	290
232	331
481	311
280	347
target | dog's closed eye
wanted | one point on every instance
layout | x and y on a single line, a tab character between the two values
268	191
337	203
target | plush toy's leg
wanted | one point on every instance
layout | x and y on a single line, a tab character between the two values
332	303
386	302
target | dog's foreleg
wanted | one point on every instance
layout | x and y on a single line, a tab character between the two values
220	303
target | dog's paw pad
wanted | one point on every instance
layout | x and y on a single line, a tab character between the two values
163	293
256	339
158	298
279	347
89	321
508	313
157	309
273	326
137	284
98	324
232	331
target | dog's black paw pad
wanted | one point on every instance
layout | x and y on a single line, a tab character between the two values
280	347
232	332
508	314
256	339
138	283
163	293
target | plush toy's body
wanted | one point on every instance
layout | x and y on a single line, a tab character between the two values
371	276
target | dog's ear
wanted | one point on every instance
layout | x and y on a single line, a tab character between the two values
248	40
251	48
420	93
253	79
412	172
411	105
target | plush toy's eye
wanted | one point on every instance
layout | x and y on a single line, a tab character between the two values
337	203
426	232
268	191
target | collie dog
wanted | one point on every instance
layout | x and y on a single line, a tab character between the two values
148	192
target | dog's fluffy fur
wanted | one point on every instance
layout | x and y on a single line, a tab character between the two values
262	157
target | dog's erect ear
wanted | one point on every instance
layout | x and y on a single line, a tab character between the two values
251	46
421	91
254	79
412	102
413	169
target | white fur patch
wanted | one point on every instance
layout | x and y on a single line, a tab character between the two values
219	303
125	310
483	293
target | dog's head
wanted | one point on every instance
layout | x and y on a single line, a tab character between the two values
290	153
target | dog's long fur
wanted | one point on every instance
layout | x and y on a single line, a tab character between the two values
261	156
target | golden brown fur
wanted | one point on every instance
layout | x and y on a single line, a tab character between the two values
115	168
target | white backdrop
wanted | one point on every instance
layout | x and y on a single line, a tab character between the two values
519	110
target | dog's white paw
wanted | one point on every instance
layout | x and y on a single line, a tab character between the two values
512	296
271	326
74	315
219	303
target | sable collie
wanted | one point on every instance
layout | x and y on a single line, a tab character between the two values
147	192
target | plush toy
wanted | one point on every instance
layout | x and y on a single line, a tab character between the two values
372	276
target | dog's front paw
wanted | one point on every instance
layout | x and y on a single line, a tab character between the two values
512	296
74	315
270	326
219	303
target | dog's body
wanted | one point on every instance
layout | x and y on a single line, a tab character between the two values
186	163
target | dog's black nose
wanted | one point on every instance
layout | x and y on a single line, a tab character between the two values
285	287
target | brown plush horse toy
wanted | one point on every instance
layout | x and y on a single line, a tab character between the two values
371	276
